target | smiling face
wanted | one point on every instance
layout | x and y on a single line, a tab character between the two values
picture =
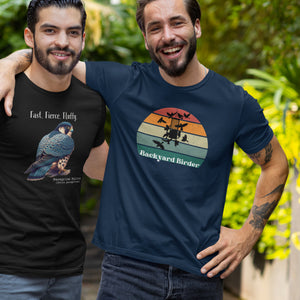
58	40
170	36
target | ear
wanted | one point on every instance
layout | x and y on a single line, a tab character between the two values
28	37
197	28
145	40
83	41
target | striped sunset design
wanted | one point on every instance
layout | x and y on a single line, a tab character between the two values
173	135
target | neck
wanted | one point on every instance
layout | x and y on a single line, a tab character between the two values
46	80
194	73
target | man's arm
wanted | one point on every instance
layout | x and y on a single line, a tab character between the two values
18	62
94	166
10	66
234	245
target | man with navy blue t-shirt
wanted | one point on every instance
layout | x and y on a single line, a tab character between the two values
174	124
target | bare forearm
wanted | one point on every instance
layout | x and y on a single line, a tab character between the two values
270	186
18	61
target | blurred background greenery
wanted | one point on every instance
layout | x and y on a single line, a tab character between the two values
252	42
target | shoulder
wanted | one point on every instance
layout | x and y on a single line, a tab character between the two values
225	84
110	68
79	86
21	78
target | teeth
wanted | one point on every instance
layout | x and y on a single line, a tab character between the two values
172	50
61	55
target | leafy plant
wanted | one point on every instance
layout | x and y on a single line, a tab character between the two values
12	27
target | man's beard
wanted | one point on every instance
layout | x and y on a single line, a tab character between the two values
175	70
61	68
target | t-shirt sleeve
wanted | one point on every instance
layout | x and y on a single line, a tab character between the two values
107	78
254	132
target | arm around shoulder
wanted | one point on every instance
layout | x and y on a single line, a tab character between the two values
10	66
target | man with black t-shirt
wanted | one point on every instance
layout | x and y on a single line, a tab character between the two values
56	132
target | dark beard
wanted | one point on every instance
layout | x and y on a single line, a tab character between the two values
60	68
174	70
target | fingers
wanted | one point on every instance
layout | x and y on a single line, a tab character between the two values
7	92
216	264
8	103
208	251
230	269
228	252
221	263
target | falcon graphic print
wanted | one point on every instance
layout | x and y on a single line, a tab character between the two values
53	153
173	135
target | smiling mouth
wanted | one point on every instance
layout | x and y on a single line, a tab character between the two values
171	51
61	54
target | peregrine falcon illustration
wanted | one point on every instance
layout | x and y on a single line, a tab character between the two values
53	153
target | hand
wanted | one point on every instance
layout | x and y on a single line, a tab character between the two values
7	90
232	247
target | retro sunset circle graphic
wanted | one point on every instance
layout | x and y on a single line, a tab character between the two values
173	135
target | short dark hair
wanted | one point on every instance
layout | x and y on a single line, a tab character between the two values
192	7
35	5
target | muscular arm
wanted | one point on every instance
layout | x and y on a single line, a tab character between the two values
18	62
94	166
234	245
270	184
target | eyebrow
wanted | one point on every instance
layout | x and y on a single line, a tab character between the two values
47	25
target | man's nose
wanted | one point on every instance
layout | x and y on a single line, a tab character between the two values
62	40
168	34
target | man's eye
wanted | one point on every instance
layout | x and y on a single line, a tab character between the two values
49	30
154	29
178	23
75	33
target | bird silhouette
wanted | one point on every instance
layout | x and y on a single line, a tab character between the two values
161	120
184	139
181	126
159	144
171	115
180	115
53	153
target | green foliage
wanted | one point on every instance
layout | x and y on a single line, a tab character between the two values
121	41
242	34
12	24
88	206
90	194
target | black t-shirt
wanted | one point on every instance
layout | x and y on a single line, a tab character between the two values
43	148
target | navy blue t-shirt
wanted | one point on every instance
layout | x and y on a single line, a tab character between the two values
169	160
